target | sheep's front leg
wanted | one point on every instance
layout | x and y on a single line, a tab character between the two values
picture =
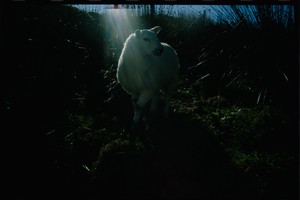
138	108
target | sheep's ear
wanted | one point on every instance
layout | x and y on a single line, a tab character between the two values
138	33
156	29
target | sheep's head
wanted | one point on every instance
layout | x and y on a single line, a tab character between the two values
148	41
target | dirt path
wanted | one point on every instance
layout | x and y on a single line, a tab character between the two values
186	162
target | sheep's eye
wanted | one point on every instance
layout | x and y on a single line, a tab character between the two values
146	40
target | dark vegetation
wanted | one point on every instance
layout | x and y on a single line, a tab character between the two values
233	133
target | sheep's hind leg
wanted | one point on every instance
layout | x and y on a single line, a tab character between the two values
166	111
153	110
154	102
167	97
169	91
153	123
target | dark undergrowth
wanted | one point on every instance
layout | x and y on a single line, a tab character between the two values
233	133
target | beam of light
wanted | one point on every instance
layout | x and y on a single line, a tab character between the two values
120	23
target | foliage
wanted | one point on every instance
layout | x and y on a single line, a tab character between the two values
250	60
237	80
255	138
64	66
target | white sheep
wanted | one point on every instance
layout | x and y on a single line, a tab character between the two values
146	68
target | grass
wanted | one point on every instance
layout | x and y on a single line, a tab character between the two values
230	131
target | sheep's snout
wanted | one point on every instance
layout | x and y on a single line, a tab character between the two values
158	51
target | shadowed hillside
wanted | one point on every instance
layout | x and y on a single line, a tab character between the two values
233	133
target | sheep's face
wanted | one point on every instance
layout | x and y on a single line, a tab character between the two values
148	41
